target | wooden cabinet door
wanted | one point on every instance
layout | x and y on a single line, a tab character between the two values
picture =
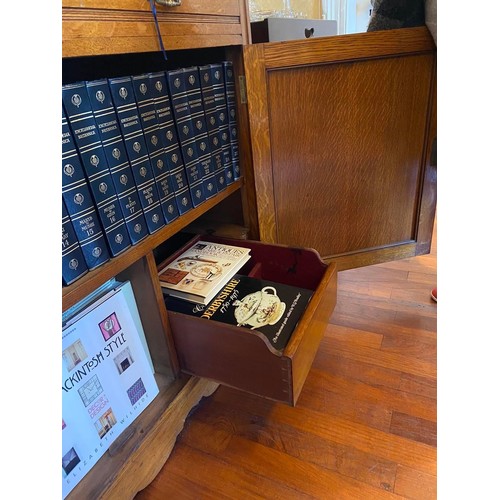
341	132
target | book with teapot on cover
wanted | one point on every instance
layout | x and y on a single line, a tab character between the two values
273	309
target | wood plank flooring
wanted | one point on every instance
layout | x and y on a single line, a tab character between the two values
364	426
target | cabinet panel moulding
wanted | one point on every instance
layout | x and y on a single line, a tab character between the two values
83	47
88	29
373	256
103	16
221	7
86	34
373	44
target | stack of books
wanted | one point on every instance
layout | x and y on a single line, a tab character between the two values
138	152
208	281
200	272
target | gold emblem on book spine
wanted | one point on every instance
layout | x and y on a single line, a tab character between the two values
76	100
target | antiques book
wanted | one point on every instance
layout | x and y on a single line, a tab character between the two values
202	270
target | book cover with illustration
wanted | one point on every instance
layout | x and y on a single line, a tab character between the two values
270	308
202	270
107	380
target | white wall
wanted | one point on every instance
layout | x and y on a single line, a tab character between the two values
352	16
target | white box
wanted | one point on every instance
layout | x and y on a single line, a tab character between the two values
275	29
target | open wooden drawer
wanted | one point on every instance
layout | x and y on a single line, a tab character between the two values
240	357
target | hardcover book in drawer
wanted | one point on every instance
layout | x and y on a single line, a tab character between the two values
245	357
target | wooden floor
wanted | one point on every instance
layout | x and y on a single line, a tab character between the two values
364	426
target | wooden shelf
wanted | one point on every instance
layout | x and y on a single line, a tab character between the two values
92	280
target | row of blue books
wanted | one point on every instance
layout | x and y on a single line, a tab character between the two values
137	153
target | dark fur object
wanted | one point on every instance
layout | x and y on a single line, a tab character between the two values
393	14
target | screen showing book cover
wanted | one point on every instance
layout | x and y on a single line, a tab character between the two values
273	309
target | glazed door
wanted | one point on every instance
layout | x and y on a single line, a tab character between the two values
341	132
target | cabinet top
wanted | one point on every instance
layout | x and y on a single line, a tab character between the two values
104	27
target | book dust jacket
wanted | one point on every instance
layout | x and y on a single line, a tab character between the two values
270	308
200	272
107	381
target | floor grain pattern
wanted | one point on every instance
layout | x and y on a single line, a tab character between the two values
364	426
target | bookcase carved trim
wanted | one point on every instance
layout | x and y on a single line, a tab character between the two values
112	27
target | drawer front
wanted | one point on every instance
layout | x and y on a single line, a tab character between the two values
93	27
242	358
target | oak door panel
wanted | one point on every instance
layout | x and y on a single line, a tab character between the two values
346	143
341	148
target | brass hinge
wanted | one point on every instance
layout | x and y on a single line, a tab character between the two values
243	89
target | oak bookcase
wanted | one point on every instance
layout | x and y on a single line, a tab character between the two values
335	140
